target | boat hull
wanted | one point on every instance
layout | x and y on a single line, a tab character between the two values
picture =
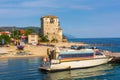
75	64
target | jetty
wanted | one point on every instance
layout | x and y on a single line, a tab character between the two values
114	55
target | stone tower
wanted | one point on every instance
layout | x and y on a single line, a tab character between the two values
50	27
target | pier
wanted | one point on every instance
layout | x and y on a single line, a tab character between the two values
115	55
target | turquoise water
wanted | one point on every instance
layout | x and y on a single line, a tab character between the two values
27	68
20	69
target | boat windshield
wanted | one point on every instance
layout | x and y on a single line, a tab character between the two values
98	53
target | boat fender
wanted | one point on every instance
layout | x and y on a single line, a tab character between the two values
45	59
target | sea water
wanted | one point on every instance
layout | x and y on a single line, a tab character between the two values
112	44
27	68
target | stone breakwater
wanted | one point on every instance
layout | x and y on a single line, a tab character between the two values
115	56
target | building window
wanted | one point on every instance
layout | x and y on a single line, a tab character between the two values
32	40
33	36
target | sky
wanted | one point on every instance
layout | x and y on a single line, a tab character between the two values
80	18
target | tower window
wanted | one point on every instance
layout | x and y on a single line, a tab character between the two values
52	20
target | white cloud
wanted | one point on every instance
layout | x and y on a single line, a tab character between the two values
24	8
42	3
6	13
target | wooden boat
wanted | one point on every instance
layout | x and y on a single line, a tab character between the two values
72	59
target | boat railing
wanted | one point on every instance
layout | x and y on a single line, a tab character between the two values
55	61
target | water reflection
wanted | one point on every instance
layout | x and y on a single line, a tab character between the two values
27	69
20	69
80	73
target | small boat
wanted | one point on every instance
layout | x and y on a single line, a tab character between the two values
67	59
20	47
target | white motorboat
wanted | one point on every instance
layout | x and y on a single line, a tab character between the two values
72	59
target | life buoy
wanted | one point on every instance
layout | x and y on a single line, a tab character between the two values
45	59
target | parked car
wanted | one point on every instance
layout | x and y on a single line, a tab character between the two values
74	47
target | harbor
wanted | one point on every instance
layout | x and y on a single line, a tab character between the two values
59	40
115	56
41	51
28	67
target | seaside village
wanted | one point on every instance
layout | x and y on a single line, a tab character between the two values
27	42
52	46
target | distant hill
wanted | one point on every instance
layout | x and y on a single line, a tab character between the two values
36	29
11	28
69	36
8	28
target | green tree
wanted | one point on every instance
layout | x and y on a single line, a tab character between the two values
39	33
16	34
6	39
29	31
54	40
44	39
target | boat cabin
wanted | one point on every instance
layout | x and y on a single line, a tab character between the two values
71	55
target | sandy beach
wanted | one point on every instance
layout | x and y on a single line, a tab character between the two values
34	51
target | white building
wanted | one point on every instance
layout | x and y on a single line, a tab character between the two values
33	39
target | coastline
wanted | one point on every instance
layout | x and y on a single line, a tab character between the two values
34	51
8	57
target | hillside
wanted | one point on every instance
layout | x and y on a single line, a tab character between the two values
69	36
11	28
